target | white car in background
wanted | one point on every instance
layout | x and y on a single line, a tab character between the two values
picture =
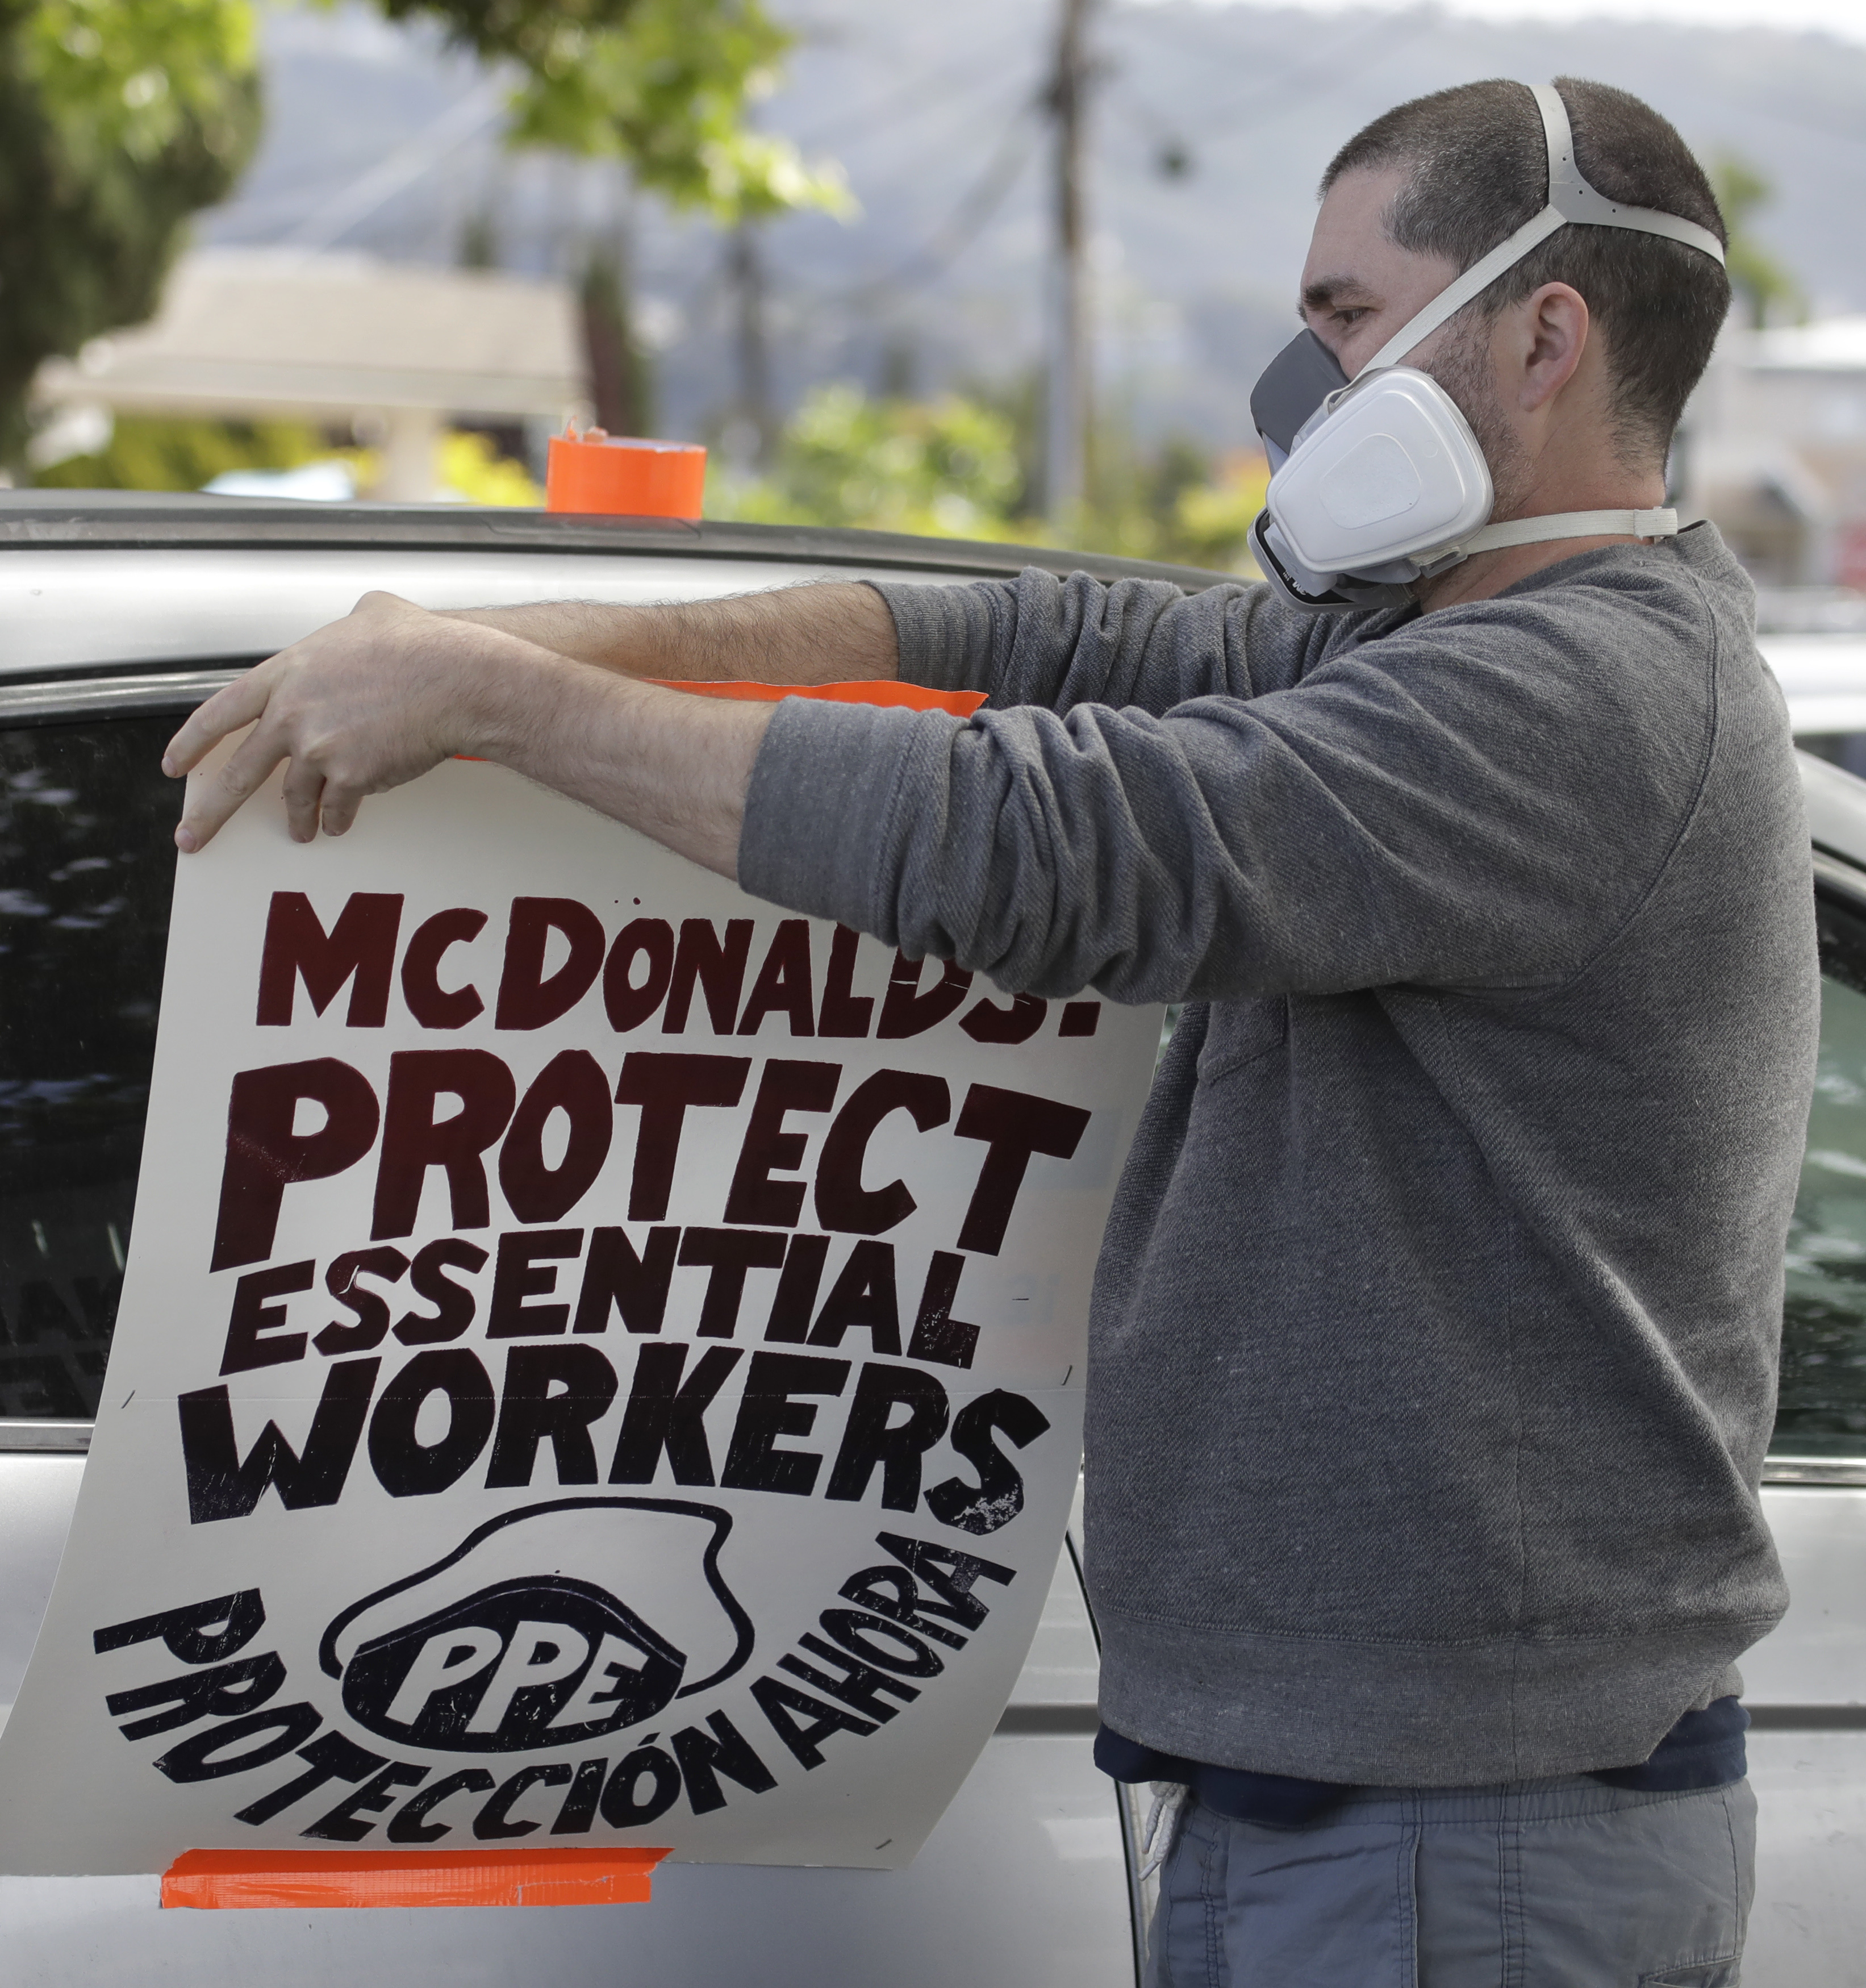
118	613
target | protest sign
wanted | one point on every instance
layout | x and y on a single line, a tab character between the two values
600	1363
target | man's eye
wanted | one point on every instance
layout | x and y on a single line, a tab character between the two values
1351	315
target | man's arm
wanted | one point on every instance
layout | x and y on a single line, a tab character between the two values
822	631
379	698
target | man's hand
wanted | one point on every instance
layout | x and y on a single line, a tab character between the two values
379	698
361	705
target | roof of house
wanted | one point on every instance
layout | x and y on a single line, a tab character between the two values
254	331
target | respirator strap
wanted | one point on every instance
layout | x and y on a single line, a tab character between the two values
1662	524
1571	201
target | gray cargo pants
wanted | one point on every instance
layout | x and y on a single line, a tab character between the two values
1550	1884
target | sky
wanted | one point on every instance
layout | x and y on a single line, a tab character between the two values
1845	19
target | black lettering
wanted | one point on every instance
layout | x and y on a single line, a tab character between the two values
870	1438
781	1703
852	1682
243	1685
404	1467
892	1592
579	1809
863	1296
253	1335
371	1308
843	1013
938	1336
522	1273
728	1254
530	1413
361	943
704	1756
344	1824
717	964
998	1496
753	1460
797	1287
413	1140
662	1414
636	1286
952	1575
410	1823
1014	1125
905	1011
430	1004
528	999
626	1004
1080	1018
783	984
898	1649
623	1807
842	1202
265	1156
204	1757
495	1819
332	1758
572	1083
221	1485
665	1085
755	1197
201	1632
454	1303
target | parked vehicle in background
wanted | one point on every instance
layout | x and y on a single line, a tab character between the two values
118	614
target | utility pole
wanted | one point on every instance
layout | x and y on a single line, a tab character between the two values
1069	398
746	270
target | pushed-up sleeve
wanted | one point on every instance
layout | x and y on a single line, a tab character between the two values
1474	801
1144	644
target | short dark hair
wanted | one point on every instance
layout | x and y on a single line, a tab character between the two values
1480	169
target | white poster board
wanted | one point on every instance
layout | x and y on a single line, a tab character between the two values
600	1363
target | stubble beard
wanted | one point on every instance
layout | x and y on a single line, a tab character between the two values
1463	369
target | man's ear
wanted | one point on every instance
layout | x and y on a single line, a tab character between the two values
1548	334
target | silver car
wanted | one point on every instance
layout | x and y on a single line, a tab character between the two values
117	613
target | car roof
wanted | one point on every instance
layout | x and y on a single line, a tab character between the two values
147	520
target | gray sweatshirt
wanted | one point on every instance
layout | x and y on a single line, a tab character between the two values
1434	1340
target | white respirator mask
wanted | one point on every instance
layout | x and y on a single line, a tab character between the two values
1379	482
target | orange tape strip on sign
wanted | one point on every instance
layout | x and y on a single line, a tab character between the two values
236	1880
900	696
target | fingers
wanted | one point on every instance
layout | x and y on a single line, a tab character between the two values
238	704
304	798
213	797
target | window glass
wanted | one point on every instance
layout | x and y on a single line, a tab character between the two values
1822	1408
86	869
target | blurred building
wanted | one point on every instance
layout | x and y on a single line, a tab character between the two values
393	351
1773	450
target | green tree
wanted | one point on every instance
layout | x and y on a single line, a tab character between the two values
662	85
118	118
1759	281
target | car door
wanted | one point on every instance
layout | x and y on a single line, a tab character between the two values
1025	1879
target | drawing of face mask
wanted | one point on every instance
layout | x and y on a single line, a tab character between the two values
549	1626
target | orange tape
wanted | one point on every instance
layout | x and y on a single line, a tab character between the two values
900	696
240	1880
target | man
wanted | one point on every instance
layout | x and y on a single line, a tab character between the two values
1433	1335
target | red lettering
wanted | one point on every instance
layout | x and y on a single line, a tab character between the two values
906	1011
360	944
528	998
755	1197
842	1203
413	1140
843	1012
717	965
1015	1126
626	1004
665	1085
572	1083
430	1004
783	984
265	1155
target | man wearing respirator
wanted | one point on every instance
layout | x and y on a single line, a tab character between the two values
1432	1352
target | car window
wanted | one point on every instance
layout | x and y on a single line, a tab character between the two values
1822	1411
86	874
